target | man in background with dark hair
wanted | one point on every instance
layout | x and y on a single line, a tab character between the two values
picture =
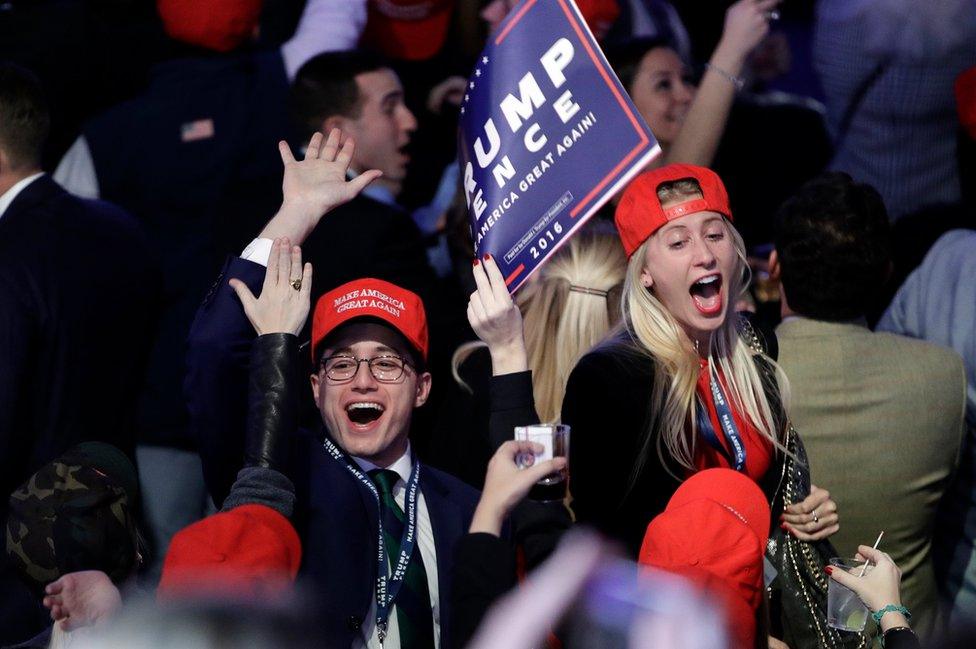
881	415
76	305
356	92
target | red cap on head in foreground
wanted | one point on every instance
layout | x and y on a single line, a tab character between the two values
714	532
640	214
375	299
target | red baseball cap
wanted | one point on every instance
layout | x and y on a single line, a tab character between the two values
965	88
714	532
639	213
600	15
371	298
249	550
413	30
219	25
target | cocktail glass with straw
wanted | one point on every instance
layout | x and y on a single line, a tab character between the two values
845	610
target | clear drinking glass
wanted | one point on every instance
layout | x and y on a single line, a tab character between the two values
554	439
845	610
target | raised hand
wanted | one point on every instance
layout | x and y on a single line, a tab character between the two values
496	319
315	185
80	599
746	25
449	91
814	518
506	484
285	296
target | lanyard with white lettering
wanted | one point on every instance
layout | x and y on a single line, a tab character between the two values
736	459
387	586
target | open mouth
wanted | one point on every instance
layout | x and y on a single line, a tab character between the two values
706	293
364	412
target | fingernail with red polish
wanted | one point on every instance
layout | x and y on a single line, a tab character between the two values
487	256
475	261
828	569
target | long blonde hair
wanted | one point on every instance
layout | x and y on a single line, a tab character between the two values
561	321
656	333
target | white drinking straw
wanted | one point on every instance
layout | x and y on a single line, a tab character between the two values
866	562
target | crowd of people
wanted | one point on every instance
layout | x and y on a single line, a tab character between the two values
256	387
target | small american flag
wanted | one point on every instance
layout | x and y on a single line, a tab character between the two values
201	129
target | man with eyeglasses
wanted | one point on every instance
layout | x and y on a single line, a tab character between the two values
378	528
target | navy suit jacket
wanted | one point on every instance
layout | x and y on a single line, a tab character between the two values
336	517
76	301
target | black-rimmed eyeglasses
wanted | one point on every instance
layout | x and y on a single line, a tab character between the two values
385	369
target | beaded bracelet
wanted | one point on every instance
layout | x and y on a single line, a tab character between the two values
890	608
738	82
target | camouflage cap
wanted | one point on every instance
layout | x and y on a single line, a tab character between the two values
75	513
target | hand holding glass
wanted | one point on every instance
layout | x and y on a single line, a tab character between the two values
555	442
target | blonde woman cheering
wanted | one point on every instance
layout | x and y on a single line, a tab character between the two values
684	385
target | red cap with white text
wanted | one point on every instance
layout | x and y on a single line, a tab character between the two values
639	213
371	298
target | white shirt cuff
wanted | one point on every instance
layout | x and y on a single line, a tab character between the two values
258	251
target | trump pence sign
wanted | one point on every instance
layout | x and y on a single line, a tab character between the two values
547	135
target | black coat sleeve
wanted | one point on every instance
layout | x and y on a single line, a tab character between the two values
215	387
511	405
602	442
617	480
901	639
484	570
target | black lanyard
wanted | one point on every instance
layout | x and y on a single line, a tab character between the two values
387	586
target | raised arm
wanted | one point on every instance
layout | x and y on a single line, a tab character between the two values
746	24
219	344
484	562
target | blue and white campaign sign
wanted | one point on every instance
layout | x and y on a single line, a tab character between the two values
547	136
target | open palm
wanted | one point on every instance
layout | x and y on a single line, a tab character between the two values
319	182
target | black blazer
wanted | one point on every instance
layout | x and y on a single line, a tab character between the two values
337	518
607	404
76	298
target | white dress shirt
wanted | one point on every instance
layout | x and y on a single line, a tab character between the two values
425	543
8	196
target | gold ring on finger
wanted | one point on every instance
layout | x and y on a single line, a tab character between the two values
296	284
